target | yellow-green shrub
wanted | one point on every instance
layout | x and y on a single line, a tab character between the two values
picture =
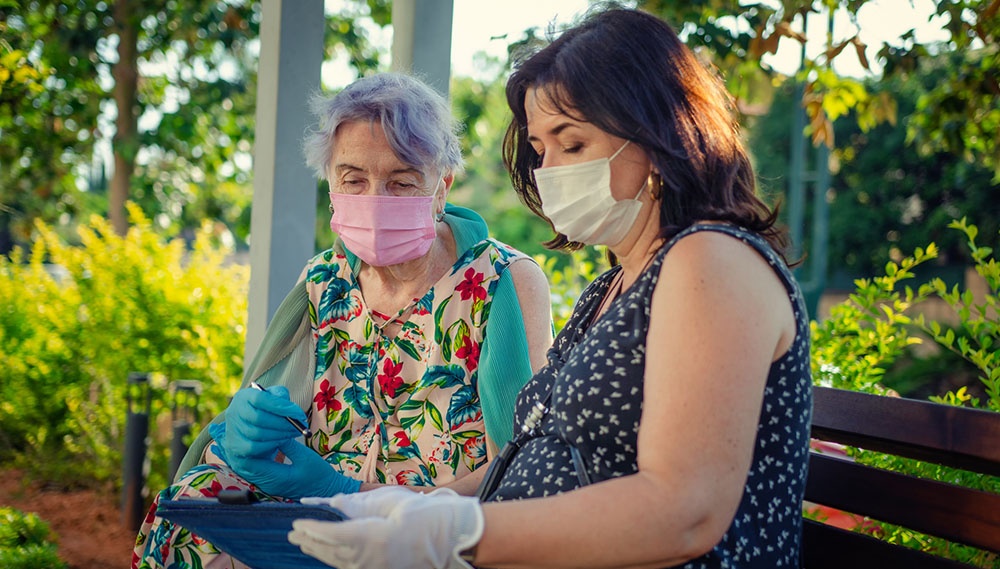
26	542
113	305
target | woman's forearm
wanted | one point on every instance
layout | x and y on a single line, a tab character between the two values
654	525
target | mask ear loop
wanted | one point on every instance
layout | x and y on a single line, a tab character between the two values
619	151
439	216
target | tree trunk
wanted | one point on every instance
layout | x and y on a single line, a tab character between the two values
6	239
126	140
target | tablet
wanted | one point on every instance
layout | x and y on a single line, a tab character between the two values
254	533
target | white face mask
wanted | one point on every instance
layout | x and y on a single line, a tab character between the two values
577	199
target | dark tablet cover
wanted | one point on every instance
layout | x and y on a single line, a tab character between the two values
255	533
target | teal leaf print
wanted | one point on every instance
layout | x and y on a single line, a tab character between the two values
322	272
425	304
357	398
414	424
473	252
356	364
410	452
445	376
337	303
427	481
324	355
410	405
464	407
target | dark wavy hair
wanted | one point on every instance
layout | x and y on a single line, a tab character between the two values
628	73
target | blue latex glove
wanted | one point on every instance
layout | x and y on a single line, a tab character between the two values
256	423
256	429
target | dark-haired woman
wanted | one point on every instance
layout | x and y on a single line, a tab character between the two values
670	426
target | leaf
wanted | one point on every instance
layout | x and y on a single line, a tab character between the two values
435	416
407	347
859	48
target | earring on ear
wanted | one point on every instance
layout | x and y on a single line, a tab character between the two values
439	216
656	188
331	208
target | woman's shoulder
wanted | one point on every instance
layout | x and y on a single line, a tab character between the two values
492	251
326	265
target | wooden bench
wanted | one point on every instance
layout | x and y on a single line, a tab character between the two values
963	438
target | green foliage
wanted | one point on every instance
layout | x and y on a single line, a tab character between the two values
865	335
485	186
195	100
77	320
884	196
26	542
568	279
958	115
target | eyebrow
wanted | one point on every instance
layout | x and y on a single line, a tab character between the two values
554	131
347	167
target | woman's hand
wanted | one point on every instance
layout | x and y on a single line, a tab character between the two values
393	528
255	430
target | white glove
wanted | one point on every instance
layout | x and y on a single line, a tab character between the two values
393	527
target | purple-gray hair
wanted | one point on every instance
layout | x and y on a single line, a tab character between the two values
416	119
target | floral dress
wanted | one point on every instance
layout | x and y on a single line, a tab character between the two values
396	408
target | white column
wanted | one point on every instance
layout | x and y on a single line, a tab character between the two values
282	225
421	40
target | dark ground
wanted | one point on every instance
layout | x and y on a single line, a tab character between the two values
87	523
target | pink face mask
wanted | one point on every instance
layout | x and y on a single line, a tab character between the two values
384	230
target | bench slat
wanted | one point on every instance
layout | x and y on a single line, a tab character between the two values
827	547
952	512
953	436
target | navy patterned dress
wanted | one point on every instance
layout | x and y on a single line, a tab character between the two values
594	383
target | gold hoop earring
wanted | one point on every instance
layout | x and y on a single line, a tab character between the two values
656	189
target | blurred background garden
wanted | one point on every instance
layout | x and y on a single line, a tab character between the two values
126	190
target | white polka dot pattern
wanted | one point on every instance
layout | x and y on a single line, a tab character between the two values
596	378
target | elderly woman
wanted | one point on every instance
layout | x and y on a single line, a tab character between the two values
403	346
670	426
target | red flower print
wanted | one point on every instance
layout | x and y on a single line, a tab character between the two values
389	379
475	447
326	397
215	488
404	440
469	352
472	286
151	514
407	478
